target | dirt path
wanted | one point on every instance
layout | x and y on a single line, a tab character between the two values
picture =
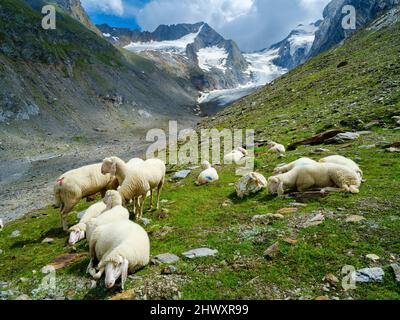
26	183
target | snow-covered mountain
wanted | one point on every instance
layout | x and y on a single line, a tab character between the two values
213	62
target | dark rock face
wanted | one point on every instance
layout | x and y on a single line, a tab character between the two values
293	50
331	31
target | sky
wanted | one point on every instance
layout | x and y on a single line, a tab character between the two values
253	24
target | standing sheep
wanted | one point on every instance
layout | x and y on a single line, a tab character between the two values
298	163
328	177
208	175
122	247
150	176
118	168
344	162
77	184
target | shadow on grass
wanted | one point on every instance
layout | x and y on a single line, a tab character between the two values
57	233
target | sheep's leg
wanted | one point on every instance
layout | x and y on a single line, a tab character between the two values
151	199
141	205
64	213
160	186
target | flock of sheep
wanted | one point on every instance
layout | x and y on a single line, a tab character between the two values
119	246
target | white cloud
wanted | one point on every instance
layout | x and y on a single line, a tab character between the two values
112	7
254	24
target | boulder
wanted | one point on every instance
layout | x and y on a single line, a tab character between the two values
250	184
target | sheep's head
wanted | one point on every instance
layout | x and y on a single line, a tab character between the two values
115	269
275	186
242	150
206	165
75	236
109	166
112	199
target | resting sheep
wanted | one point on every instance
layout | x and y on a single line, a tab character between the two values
208	175
78	231
122	247
344	162
327	176
298	163
235	156
80	183
150	176
276	147
117	212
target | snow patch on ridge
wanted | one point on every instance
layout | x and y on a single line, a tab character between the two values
212	57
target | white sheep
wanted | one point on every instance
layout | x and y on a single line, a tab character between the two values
118	168
298	163
120	248
235	156
150	176
276	147
80	183
78	231
344	162
325	176
208	175
116	213
1	224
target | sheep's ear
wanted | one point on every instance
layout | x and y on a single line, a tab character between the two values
113	169
124	272
281	191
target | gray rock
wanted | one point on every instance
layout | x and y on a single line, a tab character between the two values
396	269
368	275
145	221
4	284
266	218
181	174
15	234
272	251
167	258
343	138
250	184
6	294
201	252
169	270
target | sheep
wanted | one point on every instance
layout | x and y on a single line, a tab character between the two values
150	176
111	200
298	163
121	247
276	147
1	224
77	184
235	156
114	212
77	232
327	176
344	162
118	168
208	175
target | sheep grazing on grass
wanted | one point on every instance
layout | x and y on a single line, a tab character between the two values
118	168
344	162
276	147
208	175
121	248
325	176
114	212
298	163
235	156
80	183
150	176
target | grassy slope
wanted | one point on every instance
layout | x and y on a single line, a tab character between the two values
308	97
